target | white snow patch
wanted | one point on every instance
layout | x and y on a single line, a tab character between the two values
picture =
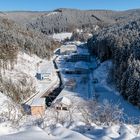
35	133
101	73
61	36
52	13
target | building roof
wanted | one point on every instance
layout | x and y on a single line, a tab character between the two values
63	100
82	51
46	67
70	46
82	65
38	102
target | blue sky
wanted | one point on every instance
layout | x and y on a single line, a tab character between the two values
45	5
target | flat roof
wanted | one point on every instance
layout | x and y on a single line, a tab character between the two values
82	64
83	51
38	102
69	45
46	67
63	100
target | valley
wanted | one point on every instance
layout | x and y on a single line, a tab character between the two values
70	74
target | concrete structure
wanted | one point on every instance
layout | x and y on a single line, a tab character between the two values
82	67
81	55
45	71
68	49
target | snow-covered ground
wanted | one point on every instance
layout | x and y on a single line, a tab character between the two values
107	92
81	80
9	112
77	131
107	95
75	123
36	133
61	36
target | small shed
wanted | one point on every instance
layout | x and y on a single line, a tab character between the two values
38	107
62	103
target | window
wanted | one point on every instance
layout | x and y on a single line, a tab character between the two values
58	108
64	108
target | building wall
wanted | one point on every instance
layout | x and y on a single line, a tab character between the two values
61	107
37	110
39	76
77	57
42	76
82	71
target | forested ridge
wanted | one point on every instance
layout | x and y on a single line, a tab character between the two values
66	20
14	38
121	43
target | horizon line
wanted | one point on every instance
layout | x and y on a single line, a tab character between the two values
25	10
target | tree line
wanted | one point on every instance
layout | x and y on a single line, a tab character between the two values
121	43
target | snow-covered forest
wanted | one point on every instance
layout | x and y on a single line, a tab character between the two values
120	43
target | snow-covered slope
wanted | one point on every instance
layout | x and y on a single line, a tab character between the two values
109	93
115	132
35	133
25	66
8	112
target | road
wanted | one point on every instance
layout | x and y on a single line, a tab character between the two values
50	97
